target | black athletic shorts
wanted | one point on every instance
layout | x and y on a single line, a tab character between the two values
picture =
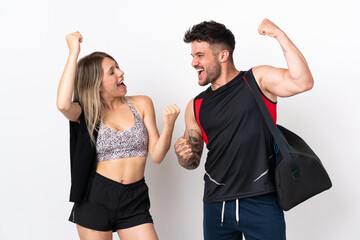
113	206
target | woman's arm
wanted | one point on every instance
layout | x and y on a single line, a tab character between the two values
158	145
70	109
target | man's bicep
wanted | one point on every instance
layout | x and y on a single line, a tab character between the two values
275	82
193	130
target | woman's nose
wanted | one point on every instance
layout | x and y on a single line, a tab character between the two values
120	73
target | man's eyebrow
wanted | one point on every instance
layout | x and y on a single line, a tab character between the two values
197	53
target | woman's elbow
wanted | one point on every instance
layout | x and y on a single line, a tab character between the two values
157	161
62	107
156	158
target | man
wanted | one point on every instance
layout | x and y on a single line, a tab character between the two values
239	194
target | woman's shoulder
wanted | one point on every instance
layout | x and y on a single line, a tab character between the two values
140	100
141	103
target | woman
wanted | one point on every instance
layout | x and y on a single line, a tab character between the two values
110	137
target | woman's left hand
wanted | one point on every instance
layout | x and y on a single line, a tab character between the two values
170	115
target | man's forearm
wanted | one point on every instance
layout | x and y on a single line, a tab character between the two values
297	65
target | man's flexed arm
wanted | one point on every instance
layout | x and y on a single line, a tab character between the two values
189	148
283	82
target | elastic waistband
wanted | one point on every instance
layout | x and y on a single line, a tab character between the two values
117	184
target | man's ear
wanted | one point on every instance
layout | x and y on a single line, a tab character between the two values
223	56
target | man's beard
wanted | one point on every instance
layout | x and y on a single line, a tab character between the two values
213	74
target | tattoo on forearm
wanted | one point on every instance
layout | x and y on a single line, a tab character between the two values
189	161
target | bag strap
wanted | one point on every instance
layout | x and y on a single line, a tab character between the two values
250	80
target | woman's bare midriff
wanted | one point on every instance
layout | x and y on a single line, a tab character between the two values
123	170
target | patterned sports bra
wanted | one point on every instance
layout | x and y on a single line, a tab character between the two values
133	142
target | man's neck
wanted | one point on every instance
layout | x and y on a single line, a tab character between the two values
227	74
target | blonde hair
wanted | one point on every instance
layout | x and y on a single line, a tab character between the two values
89	74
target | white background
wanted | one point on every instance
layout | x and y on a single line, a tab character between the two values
146	39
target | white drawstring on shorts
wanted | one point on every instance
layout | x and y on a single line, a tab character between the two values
222	213
237	211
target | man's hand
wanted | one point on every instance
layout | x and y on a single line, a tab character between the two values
183	149
269	28
187	158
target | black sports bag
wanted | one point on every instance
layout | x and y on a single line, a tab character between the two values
298	172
